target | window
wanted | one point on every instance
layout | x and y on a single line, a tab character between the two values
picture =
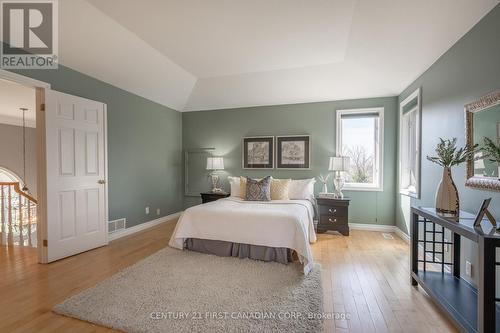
360	134
409	145
7	176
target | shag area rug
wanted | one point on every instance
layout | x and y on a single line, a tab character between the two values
184	291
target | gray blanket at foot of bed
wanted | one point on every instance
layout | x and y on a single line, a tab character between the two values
228	249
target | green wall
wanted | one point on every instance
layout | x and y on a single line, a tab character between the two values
144	146
224	129
467	71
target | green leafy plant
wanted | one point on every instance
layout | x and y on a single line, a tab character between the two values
449	155
491	150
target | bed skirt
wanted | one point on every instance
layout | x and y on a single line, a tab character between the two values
229	249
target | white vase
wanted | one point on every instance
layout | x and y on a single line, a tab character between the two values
447	200
325	188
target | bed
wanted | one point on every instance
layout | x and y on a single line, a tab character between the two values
268	230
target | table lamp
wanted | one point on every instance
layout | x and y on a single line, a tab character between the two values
215	163
338	165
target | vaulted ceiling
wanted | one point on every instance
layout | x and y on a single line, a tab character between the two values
200	55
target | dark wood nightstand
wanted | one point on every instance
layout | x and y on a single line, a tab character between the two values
212	196
333	215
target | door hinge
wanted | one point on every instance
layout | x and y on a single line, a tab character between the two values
42	107
45	243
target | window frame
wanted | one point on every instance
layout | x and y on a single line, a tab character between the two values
402	148
13	176
378	186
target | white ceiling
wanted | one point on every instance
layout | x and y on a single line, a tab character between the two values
94	44
226	37
199	55
12	97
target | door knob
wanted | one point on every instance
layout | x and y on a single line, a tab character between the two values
101	181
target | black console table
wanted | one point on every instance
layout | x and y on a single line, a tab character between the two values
471	309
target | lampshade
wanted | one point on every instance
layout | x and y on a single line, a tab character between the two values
215	163
339	163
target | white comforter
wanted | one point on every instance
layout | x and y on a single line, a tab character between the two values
276	223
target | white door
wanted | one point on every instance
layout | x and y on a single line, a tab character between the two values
76	174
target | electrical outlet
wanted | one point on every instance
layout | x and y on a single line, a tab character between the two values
158	211
468	268
147	210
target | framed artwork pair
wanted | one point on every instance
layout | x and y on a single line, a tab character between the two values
290	152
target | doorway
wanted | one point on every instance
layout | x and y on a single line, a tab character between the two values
18	165
71	200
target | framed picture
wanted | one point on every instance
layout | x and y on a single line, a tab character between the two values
258	152
293	152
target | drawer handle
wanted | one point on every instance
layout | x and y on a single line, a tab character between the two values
332	211
332	221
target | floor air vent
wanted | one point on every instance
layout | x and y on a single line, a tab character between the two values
387	236
116	225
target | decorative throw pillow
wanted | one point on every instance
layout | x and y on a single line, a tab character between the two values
279	189
235	186
243	187
301	189
258	190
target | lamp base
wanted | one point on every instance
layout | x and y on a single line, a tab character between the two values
339	185
338	195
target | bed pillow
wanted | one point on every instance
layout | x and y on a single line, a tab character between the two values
280	189
243	186
258	190
234	182
301	189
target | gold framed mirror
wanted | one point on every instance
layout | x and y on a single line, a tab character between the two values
482	127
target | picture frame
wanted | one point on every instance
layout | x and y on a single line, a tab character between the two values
484	211
293	152
258	152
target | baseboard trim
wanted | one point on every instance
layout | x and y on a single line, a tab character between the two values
403	235
142	226
381	228
372	227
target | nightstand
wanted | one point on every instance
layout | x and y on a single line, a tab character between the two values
333	215
212	196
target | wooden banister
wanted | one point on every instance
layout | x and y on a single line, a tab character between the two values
18	220
18	190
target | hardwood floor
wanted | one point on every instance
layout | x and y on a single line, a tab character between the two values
364	275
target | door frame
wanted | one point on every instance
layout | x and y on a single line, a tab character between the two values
40	87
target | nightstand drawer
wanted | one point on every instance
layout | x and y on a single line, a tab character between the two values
329	220
333	211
